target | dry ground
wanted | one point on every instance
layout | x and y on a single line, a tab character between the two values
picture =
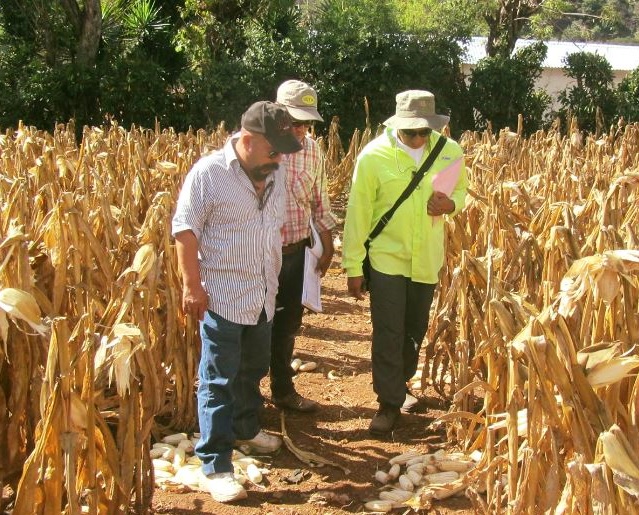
339	341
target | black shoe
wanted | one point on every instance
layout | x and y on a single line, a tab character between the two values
410	403
384	420
294	401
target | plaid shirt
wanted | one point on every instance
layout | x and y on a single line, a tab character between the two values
306	193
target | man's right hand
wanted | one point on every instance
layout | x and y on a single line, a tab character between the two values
195	301
355	287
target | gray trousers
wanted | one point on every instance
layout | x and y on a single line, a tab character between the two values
399	313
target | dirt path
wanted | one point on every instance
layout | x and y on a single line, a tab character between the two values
339	341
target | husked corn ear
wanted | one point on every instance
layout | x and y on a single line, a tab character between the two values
414	476
253	473
179	458
174	439
160	464
186	444
418	467
162	474
308	366
381	477
189	475
395	495
244	462
405	483
379	505
393	473
456	465
193	460
403	458
415	461
441	477
163	450
157	452
431	469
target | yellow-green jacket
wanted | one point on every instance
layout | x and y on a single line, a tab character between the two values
412	243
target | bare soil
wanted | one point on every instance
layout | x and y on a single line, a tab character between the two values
339	341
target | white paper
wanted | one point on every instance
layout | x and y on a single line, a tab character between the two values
311	295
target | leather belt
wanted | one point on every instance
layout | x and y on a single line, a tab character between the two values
294	247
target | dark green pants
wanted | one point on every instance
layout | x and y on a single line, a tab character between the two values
399	312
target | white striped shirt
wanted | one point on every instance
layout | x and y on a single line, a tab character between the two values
240	246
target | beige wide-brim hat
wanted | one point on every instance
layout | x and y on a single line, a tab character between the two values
416	110
300	100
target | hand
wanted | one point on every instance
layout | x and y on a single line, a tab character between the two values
324	261
355	287
195	302
439	204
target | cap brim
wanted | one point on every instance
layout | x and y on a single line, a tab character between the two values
436	121
304	113
284	143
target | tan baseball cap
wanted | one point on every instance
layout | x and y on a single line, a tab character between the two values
299	99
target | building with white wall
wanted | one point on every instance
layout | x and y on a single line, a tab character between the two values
622	58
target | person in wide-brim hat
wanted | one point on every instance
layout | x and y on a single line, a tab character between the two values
416	110
401	251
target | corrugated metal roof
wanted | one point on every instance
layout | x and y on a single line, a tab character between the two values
620	57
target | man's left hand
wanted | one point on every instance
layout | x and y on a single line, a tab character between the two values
439	204
325	261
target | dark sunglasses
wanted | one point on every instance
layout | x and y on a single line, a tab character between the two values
411	133
301	123
272	154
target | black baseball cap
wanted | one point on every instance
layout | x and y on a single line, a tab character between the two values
274	123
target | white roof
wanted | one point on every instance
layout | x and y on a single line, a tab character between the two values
620	57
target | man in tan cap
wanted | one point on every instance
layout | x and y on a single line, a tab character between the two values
408	253
306	200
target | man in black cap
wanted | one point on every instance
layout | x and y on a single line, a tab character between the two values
229	249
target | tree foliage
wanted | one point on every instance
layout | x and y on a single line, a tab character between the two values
628	97
592	99
501	88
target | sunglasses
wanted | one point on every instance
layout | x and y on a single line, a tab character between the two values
301	123
411	133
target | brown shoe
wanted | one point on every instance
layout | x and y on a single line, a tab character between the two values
384	420
294	401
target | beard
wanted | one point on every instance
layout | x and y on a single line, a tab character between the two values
261	172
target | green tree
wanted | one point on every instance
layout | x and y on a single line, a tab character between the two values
358	52
592	99
503	88
66	59
454	19
628	97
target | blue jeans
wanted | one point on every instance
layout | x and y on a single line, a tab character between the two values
235	358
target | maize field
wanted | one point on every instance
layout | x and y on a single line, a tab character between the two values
533	341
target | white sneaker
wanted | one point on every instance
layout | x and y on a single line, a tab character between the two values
222	486
261	443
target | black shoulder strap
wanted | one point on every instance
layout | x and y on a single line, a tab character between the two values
409	189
